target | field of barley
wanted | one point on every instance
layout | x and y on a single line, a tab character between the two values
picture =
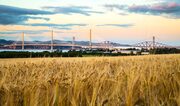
152	80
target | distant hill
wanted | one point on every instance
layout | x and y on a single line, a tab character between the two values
85	43
4	42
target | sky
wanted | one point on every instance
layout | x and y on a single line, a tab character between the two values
121	21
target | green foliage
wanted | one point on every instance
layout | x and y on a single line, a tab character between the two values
39	54
164	51
7	54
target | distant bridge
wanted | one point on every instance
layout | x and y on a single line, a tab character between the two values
54	45
103	45
41	45
151	45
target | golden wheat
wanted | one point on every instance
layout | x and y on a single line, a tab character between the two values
92	81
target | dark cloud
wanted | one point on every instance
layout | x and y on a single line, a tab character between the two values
22	11
7	19
68	10
42	18
15	15
10	15
166	9
117	25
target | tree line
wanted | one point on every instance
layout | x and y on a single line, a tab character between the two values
8	54
16	54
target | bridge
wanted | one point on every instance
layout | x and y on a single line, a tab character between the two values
41	45
103	45
54	45
151	44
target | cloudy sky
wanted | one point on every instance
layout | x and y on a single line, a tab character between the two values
122	21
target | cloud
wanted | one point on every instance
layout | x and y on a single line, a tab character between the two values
123	14
10	15
177	1
111	7
25	31
62	28
56	26
12	32
166	9
69	10
42	18
50	25
117	25
15	15
4	9
7	19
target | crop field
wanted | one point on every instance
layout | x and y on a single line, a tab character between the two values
152	80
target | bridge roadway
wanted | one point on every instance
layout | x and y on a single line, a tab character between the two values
97	47
71	45
41	45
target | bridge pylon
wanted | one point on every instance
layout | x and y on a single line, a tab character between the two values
154	42
23	41
73	43
90	40
52	40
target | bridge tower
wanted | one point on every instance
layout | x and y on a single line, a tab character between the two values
153	42
108	45
52	41
73	43
23	41
90	40
146	45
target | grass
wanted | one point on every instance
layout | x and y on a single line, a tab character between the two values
152	80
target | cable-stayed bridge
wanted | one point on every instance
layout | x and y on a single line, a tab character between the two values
102	45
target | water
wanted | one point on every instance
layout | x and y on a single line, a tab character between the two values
28	50
126	47
42	50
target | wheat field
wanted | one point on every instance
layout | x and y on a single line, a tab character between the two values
152	80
